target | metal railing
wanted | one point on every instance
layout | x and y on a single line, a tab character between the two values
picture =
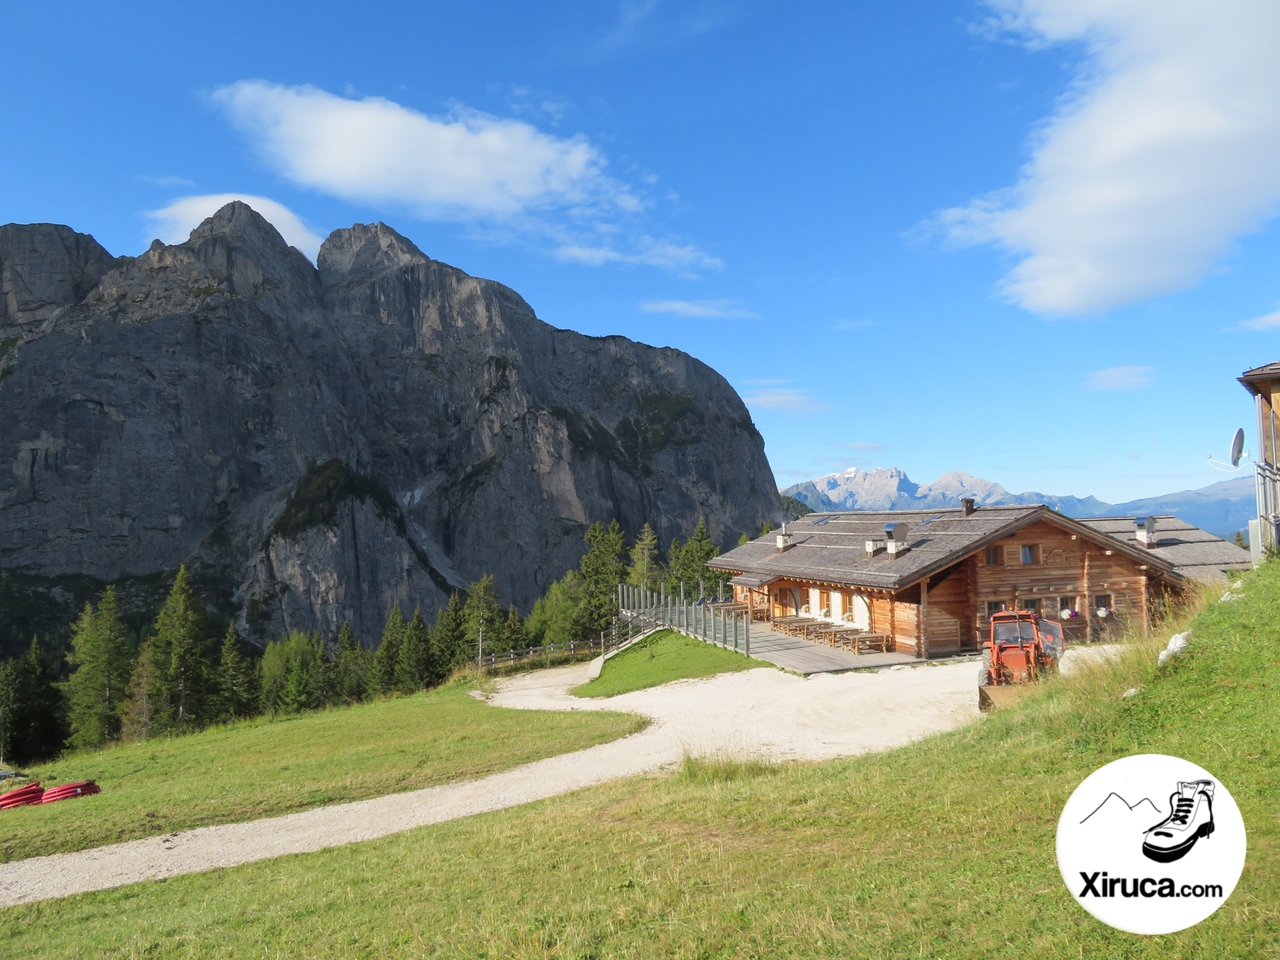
715	620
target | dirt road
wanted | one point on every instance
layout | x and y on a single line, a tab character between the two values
763	714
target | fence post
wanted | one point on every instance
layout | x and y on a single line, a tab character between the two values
747	648
480	651
684	622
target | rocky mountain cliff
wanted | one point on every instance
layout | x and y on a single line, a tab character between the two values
1221	508
319	442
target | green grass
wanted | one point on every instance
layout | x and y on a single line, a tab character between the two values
663	657
262	767
944	848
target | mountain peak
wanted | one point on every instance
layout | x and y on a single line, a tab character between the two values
237	218
364	250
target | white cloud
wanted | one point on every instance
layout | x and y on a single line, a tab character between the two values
1166	149
504	174
681	259
174	223
852	324
708	309
1120	378
864	446
1268	321
784	400
373	150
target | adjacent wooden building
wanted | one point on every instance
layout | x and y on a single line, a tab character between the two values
930	579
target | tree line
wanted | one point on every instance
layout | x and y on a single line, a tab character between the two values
181	678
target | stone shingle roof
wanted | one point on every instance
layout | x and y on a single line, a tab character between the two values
831	547
1191	551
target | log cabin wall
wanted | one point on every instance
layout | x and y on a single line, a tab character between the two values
952	625
1043	566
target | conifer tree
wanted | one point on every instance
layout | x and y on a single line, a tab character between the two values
646	569
297	693
513	634
292	673
39	714
351	668
8	704
689	562
413	668
601	570
449	648
554	618
181	641
146	707
483	611
388	656
237	680
100	658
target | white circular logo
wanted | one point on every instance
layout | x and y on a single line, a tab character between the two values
1151	844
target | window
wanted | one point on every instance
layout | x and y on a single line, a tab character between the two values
1066	603
994	606
1102	602
1030	554
995	556
1032	605
824	603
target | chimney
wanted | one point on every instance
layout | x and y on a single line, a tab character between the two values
784	540
1147	532
874	548
895	538
967	505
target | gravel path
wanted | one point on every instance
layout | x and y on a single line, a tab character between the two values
762	714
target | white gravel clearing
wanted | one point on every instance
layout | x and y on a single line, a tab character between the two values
764	714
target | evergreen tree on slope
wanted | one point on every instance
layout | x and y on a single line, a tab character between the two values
387	659
101	660
413	669
482	611
601	570
646	569
183	649
236	679
39	718
449	648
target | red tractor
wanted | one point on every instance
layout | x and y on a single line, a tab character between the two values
1022	648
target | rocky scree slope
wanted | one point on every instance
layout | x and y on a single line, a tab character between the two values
319	443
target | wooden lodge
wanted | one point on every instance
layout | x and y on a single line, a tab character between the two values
928	580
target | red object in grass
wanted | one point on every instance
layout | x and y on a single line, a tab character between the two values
31	793
68	790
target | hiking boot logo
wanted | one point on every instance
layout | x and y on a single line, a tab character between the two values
1190	818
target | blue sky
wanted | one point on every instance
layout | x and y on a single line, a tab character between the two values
1033	240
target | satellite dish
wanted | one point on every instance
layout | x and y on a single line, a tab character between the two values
1237	447
1238	452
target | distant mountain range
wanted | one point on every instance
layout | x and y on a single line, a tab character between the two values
1221	508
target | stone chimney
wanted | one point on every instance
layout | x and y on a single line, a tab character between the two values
895	535
1147	532
968	505
784	540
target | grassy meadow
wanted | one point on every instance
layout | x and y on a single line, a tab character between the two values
942	849
662	657
262	767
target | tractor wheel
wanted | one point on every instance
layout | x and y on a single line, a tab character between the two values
984	676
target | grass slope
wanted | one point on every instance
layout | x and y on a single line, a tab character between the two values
262	767
661	658
941	849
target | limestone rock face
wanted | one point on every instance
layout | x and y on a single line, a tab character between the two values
321	443
44	266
